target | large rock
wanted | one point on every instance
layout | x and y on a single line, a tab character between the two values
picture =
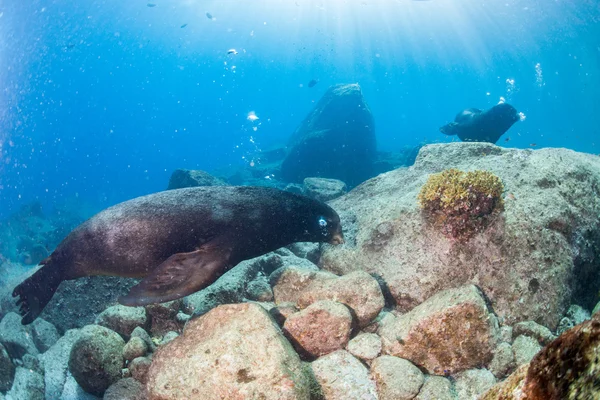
450	332
123	319
55	363
357	290
16	338
530	262
336	140
324	189
341	376
233	351
7	370
28	385
44	334
182	178
396	378
321	328
96	358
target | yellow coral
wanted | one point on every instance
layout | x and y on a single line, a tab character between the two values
458	201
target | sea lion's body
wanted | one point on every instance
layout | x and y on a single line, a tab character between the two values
474	125
179	240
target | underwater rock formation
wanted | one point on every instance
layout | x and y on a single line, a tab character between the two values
336	140
531	262
182	178
234	351
324	189
455	326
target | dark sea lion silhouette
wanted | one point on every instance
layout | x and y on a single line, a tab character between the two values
179	241
474	125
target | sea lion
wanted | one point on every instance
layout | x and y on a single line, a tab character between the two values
179	241
474	125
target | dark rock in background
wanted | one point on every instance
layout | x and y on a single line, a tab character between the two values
182	178
336	140
387	161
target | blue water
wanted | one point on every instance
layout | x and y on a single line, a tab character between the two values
101	100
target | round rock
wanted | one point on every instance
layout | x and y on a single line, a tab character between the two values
365	346
136	347
396	378
96	358
122	319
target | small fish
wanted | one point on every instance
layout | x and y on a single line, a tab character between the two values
533	144
232	51
209	15
151	5
183	26
312	83
507	139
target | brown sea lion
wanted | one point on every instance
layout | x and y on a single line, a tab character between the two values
179	241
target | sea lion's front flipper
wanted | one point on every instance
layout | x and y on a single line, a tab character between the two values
178	276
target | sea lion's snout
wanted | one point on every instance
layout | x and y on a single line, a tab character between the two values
337	238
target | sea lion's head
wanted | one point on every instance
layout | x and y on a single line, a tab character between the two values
323	225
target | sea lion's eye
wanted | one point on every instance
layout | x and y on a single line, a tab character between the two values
322	222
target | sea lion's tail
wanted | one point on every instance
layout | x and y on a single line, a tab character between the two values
37	290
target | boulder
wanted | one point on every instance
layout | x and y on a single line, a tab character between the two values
44	334
139	369
341	376
7	370
135	347
365	347
455	327
503	362
96	358
436	388
125	389
27	385
16	338
336	140
324	189
122	319
525	348
470	384
182	178
72	391
162	317
396	378
319	329
233	351
357	290
55	363
531	261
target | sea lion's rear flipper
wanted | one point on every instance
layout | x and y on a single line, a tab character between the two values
37	290
178	276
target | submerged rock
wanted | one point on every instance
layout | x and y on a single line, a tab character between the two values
396	378
336	140
125	389
530	262
233	351
365	346
324	189
319	329
55	363
44	334
123	319
436	388
15	337
7	370
448	333
182	178
27	385
341	376
470	384
96	358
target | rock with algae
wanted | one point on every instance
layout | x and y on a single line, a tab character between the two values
567	368
460	203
